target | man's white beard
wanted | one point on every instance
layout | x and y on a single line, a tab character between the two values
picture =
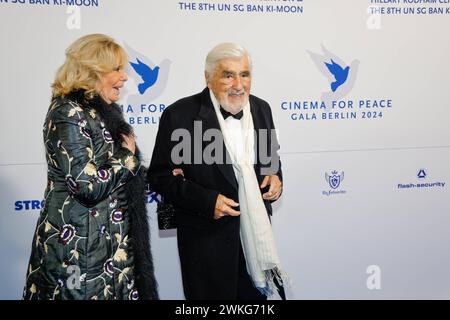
233	109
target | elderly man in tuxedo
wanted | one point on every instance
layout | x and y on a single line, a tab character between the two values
216	161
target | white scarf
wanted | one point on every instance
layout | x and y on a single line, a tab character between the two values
263	263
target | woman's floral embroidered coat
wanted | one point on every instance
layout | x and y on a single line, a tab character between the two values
83	245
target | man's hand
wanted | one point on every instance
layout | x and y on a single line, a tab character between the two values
224	207
275	187
178	171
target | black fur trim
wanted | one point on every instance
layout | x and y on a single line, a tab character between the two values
140	232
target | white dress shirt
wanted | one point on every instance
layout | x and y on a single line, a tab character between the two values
234	126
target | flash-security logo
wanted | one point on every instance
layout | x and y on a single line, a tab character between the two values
422	174
341	76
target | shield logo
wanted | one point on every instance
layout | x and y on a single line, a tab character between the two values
335	179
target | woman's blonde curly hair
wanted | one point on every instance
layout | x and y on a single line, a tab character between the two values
86	59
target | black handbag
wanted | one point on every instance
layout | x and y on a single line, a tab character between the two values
166	216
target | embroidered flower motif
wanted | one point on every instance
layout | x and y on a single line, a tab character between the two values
102	229
113	203
75	108
108	267
66	234
134	295
93	212
72	184
53	104
82	122
72	112
61	283
122	275
120	255
38	241
130	163
33	288
117	168
90	169
103	175
48	226
90	153
85	132
117	216
106	291
107	136
75	254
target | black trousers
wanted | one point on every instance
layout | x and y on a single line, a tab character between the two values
228	283
246	290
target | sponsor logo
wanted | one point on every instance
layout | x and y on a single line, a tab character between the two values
334	181
28	205
424	181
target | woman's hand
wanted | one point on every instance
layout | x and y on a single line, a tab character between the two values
129	142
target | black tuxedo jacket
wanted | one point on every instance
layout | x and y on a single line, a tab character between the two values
194	197
208	248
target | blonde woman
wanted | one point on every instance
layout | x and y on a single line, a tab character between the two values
92	236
